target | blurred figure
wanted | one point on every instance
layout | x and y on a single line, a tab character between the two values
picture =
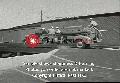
44	36
51	30
58	35
12	41
44	31
51	33
57	30
93	23
93	26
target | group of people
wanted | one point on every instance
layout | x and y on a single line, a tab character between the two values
52	32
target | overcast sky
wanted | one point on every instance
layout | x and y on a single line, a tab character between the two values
20	12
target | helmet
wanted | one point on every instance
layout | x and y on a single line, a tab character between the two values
43	28
91	18
57	27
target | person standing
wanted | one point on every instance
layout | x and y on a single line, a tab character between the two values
58	34
57	30
44	36
51	33
44	31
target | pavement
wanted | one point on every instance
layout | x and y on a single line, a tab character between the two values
14	76
63	65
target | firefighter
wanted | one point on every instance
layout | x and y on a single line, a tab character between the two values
44	31
93	26
51	33
45	38
57	30
58	35
93	23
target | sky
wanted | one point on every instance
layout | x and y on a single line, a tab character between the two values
21	12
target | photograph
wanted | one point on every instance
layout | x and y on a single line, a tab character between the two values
55	41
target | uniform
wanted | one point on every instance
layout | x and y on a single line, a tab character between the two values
58	31
93	23
58	36
51	33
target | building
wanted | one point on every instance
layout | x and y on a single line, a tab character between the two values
107	21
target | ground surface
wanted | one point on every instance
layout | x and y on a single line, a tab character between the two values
105	66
